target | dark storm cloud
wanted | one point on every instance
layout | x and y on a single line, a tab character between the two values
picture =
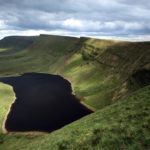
101	17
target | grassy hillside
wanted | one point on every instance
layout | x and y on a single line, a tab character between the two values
100	70
38	56
124	125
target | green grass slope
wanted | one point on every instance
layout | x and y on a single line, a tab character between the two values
124	125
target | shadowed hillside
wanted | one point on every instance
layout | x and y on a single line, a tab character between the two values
10	45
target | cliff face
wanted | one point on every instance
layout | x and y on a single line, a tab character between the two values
125	57
128	61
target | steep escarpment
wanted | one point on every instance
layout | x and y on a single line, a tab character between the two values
101	71
124	59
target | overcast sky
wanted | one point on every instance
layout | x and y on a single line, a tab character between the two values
129	19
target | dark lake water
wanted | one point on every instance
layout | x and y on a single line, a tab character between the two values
43	102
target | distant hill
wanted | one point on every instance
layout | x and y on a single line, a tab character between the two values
17	42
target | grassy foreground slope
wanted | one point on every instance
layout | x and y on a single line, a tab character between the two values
124	125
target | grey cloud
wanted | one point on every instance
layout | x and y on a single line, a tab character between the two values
115	17
140	3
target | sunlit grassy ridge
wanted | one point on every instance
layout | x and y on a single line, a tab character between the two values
124	125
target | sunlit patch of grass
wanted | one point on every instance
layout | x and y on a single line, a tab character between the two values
3	49
7	97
